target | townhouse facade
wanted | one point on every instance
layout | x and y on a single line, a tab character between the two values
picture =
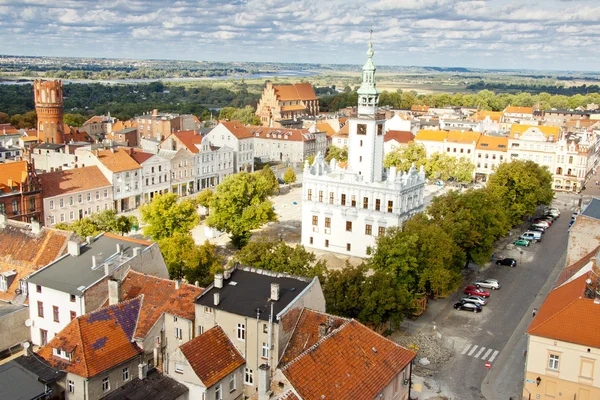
235	135
287	145
490	152
20	192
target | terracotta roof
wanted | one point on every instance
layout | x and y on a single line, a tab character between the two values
96	119
140	156
29	138
72	181
466	137
75	135
8	129
518	110
160	296
297	107
570	270
212	356
344	131
435	136
296	91
325	127
545	129
236	128
288	395
119	125
31	132
189	139
495	116
24	252
567	315
399	136
97	341
306	333
352	362
492	143
12	172
419	108
294	135
117	161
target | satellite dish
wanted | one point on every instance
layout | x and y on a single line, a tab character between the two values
28	323
26	345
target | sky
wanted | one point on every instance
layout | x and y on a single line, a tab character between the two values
507	34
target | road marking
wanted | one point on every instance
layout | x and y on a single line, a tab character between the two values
487	353
494	355
466	348
473	349
481	349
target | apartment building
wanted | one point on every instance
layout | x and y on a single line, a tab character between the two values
235	135
287	145
490	152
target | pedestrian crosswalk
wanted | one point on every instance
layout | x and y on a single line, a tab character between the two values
483	353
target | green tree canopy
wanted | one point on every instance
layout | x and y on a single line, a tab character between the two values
266	181
204	197
104	221
166	215
74	119
340	154
403	157
289	176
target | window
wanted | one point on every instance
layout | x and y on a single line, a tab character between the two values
361	129
71	215
248	376
125	374
105	384
178	333
70	200
327	222
353	201
321	196
61	203
331	197
72	298
348	226
326	242
40	309
80	198
38	288
359	158
343	199
208	310
315	220
179	368
390	205
309	194
73	315
43	337
553	362
2	208
71	387
219	392
377	205
310	240
265	350
105	193
97	195
368	229
379	130
365	202
381	231
265	328
55	313
232	383
15	207
200	329
89	197
32	203
241	332
52	204
348	247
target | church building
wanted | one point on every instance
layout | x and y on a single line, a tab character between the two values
345	207
286	102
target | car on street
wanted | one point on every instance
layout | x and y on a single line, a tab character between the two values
540	229
472	290
474	299
555	212
468	307
487	283
511	262
522	242
542	222
548	218
540	225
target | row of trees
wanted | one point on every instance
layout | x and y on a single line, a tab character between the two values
105	221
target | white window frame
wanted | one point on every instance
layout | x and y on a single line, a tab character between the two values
219	392
265	351
179	333
554	362
71	386
126	375
52	208
248	377
178	368
105	384
208	310
241	332
232	383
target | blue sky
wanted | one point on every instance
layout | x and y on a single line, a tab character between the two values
542	34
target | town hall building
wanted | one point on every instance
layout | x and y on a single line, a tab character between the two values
345	207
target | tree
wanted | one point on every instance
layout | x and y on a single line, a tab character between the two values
403	157
246	116
226	112
463	170
440	166
204	197
278	256
185	259
240	204
521	186
4	118
289	176
311	159
343	289
74	119
104	221
166	215
340	154
384	299
267	181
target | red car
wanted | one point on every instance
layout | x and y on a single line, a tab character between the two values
473	291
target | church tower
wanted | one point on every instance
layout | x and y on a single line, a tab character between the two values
365	132
49	107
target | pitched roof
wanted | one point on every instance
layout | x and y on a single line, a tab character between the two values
352	362
294	135
119	125
306	333
212	356
399	136
415	107
492	143
96	119
97	341
435	136
518	110
288	395
140	156
117	161
236	128
592	210
545	129
72	181
571	270
343	132
12	172
325	127
189	139
160	296
156	386
466	137
495	116
296	91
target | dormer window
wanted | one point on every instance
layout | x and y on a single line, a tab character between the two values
3	284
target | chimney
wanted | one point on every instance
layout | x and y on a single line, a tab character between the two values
227	274
73	248
137	251
106	269
219	281
217	298
2	220
155	112
114	291
274	291
36	226
142	371
264	382
177	283
197	284
89	239
119	248
322	329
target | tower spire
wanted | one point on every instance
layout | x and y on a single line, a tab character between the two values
368	95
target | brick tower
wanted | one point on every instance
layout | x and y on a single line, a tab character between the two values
49	107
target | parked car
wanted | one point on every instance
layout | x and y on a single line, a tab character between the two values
511	262
542	222
545	226
531	236
522	242
548	218
574	215
468	307
487	283
554	213
474	291
474	299
539	229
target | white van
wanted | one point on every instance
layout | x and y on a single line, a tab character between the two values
532	236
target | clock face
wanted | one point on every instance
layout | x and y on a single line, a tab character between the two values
361	129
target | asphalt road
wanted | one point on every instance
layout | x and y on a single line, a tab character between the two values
477	338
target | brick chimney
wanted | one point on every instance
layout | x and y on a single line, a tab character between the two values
114	291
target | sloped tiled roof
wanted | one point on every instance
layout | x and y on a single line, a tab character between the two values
545	129
287	395
12	171
237	129
325	127
399	136
352	362
570	270
97	341
189	139
212	356
415	107
72	181
294	135
518	110
96	119
344	131
495	116
160	296
296	91
492	143
8	129
140	156
466	137
435	136
117	161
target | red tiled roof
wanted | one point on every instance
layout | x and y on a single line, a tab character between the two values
160	296
419	108
12	172
518	110
306	333
572	269
72	181
140	156
189	139
236	128
352	362
8	129
288	395
296	91
74	134
399	136
212	356
96	119
117	161
294	135
97	341
325	127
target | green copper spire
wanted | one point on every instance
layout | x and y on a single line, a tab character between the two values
368	95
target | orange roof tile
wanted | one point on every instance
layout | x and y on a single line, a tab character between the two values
212	356
119	125
435	136
236	128
466	137
189	139
572	269
545	129
72	181
117	161
96	119
294	135
160	296
75	135
325	127
419	108
518	110
298	107
12	174
352	362
296	91
288	395
140	156
8	129
492	143
344	131
97	341
495	116
399	136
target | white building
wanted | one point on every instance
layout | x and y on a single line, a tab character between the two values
343	210
235	135
156	174
287	145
